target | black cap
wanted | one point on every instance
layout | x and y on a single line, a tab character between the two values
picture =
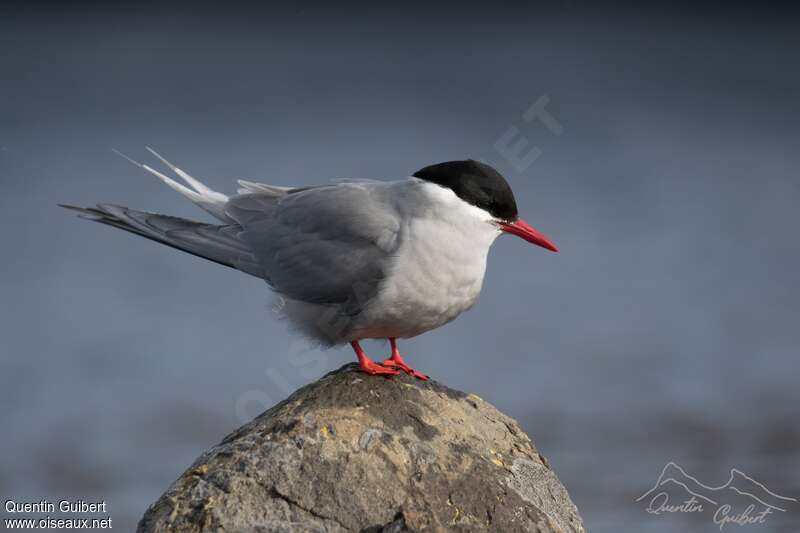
476	183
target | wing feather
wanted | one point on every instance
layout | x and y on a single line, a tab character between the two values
323	245
220	244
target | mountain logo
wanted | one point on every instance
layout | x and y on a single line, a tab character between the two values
741	500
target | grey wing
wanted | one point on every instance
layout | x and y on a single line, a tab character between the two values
220	244
323	245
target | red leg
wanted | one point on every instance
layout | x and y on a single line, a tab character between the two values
397	361
368	365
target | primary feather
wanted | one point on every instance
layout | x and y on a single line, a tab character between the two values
219	244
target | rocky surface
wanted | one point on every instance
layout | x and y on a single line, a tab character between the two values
353	452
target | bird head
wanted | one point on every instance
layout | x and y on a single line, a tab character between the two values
482	186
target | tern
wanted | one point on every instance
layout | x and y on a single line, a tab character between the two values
353	259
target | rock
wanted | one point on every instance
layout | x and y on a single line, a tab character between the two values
353	452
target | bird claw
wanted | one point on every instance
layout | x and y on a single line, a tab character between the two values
374	369
405	368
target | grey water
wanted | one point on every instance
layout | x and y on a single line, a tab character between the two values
666	329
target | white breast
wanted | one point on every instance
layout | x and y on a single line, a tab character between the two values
438	269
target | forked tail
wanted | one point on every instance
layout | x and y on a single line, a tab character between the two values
218	243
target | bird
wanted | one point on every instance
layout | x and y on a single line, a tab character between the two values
351	259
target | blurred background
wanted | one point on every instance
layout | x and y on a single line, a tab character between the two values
665	330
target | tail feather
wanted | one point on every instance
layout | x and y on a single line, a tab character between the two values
219	244
192	182
206	199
